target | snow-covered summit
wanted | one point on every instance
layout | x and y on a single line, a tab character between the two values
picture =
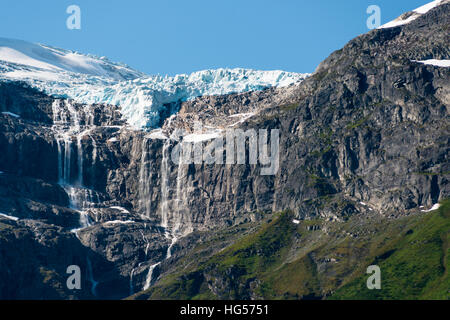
89	79
413	15
43	58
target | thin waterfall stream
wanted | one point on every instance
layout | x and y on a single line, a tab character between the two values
67	127
171	210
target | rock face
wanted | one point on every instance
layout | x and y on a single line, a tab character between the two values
369	127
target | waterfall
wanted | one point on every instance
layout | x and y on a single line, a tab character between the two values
67	159
183	220
169	249
67	128
148	280
66	125
144	181
172	211
174	216
91	277
163	206
147	246
165	185
131	282
80	161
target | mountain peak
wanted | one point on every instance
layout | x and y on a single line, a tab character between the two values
41	58
413	15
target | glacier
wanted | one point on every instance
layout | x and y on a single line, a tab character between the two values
142	98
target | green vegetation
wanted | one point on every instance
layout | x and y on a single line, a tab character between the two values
289	107
260	251
326	136
358	123
320	75
326	141
250	257
416	266
322	185
286	260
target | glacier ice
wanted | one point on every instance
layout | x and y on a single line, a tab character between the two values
90	79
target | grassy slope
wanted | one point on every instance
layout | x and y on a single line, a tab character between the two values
283	260
417	267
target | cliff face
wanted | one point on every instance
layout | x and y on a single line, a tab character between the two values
369	126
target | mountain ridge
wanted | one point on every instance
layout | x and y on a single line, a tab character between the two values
363	154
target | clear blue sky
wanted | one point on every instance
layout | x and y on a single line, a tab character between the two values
182	36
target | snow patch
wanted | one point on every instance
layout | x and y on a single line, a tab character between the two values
157	134
37	74
200	137
399	22
118	222
427	7
435	62
46	58
9	217
434	207
414	15
244	117
122	209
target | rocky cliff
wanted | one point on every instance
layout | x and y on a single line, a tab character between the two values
366	134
